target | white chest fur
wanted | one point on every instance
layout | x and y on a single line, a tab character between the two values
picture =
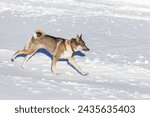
67	53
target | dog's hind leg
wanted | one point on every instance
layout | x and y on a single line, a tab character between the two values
18	53
29	55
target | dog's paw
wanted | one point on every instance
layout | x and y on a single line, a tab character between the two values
12	60
84	73
23	66
55	73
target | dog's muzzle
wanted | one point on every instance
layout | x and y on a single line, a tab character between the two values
86	49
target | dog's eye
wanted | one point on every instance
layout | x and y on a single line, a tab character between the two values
82	44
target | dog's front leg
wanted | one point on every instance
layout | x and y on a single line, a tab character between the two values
75	65
54	61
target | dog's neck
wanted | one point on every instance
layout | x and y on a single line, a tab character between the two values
73	44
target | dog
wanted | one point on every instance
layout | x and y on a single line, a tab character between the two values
58	47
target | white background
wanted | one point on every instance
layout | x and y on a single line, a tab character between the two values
7	108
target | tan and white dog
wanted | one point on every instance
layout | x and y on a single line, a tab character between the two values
58	47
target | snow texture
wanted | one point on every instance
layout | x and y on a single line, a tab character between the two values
116	31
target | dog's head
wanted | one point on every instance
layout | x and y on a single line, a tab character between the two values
79	44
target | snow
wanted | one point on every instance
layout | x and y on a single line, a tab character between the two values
116	31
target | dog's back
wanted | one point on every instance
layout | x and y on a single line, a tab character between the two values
40	40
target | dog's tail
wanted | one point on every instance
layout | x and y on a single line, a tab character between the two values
39	33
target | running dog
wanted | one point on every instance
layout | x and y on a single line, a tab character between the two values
58	47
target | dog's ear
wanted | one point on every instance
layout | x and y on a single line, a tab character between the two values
81	36
78	38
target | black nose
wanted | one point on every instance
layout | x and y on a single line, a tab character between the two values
88	49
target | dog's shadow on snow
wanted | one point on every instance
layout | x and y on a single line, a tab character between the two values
44	51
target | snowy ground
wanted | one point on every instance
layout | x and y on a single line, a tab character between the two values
116	31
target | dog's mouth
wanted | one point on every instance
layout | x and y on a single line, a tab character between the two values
86	49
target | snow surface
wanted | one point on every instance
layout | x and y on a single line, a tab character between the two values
116	31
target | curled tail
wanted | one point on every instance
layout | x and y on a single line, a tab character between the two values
39	33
